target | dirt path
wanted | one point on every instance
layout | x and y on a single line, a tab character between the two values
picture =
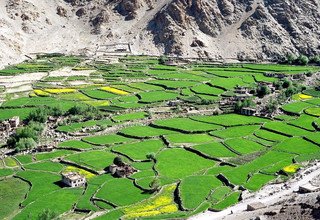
269	195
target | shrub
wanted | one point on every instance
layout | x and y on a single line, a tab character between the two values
291	58
263	90
25	144
303	60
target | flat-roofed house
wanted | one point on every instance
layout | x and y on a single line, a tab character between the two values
73	179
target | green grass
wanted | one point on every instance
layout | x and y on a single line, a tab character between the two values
219	194
193	190
43	183
94	184
52	155
304	121
157	96
10	162
296	107
59	202
145	131
45	166
312	92
285	129
297	145
244	146
97	160
230	200
233	132
106	139
24	159
121	192
13	191
139	150
179	163
231	119
188	138
6	172
9	113
257	181
130	116
185	125
313	111
172	84
76	144
269	135
206	90
214	149
98	94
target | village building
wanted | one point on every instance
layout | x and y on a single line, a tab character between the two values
14	122
10	124
121	171
175	103
308	188
73	179
248	111
45	148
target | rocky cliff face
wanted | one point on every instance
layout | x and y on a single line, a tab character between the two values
257	29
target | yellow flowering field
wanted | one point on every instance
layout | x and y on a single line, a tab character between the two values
40	92
97	103
114	90
291	168
83	172
303	96
162	203
58	91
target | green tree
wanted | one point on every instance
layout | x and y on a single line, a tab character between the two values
286	83
291	58
263	90
303	60
25	144
151	156
163	59
39	115
155	185
118	161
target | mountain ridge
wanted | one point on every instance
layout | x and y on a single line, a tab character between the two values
255	29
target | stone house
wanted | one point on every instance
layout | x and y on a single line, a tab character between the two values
14	122
248	111
121	171
73	179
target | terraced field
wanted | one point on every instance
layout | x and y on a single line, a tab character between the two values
161	120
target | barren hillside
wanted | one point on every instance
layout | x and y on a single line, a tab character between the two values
219	28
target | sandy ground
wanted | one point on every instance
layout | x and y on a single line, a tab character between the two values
270	195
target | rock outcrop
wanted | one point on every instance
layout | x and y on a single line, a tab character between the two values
255	29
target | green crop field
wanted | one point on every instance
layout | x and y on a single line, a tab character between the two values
180	128
186	125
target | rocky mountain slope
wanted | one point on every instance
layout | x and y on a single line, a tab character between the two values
256	29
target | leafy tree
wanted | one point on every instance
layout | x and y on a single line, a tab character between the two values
118	161
286	83
303	60
39	115
163	60
315	59
291	58
25	144
151	156
263	91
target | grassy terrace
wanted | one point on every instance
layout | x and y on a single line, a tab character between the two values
180	158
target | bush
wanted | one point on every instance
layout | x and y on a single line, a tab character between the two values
163	60
39	115
25	144
315	59
291	59
263	91
286	84
118	161
303	60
